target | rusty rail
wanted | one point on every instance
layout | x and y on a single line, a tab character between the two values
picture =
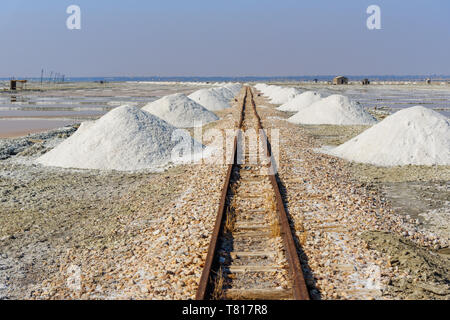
203	288
300	291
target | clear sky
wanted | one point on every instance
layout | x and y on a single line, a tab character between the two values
224	38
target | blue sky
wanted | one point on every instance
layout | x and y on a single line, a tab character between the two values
224	38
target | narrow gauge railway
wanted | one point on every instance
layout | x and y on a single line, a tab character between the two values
252	253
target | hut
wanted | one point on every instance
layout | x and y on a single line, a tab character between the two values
365	82
17	84
340	80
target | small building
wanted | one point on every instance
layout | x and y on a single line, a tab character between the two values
340	80
17	84
365	82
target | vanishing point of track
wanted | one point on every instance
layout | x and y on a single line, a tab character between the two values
252	254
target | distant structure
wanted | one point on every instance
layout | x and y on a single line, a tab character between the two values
428	81
365	82
17	84
340	80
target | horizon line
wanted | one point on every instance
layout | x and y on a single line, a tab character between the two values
237	77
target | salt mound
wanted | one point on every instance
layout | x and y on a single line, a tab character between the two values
416	135
277	94
126	139
234	87
335	109
211	99
283	95
265	89
261	86
180	111
225	92
301	101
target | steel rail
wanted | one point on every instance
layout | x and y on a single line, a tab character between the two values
299	288
204	289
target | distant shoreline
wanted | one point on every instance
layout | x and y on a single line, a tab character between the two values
241	78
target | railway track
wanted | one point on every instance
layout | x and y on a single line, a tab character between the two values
252	254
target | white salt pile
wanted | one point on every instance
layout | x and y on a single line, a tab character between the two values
416	135
277	94
212	99
180	111
283	95
125	139
225	92
335	109
261	86
234	87
300	102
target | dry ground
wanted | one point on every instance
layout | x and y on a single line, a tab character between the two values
82	234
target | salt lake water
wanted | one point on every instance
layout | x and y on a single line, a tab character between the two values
57	105
50	106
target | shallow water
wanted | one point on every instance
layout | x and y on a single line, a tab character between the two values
393	97
76	102
436	99
26	112
13	128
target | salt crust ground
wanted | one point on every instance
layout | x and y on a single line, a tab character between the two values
139	263
331	212
157	252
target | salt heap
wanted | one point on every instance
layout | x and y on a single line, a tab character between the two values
261	86
301	101
225	92
212	99
283	95
180	111
267	90
335	109
125	139
234	87
277	94
416	135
